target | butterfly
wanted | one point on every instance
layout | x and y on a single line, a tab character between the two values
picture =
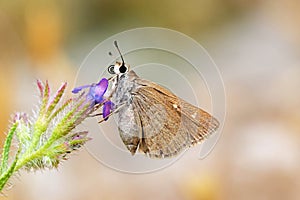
150	118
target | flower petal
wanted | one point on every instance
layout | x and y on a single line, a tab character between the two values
107	107
98	90
78	89
101	87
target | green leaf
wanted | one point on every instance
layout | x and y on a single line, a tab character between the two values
4	177
66	124
6	148
60	109
45	99
56	98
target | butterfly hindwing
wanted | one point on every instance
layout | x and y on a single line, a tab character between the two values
129	126
169	124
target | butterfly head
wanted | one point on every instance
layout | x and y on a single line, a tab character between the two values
120	67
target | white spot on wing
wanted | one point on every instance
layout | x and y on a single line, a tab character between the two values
194	115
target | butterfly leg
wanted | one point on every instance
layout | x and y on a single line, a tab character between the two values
112	78
114	111
103	119
97	106
95	115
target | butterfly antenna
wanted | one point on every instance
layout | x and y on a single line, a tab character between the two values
116	45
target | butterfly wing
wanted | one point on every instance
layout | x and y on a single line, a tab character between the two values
129	126
168	124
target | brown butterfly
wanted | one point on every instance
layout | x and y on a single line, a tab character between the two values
153	120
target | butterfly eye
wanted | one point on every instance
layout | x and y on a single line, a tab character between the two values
123	69
110	69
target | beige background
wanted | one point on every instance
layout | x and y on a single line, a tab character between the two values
256	46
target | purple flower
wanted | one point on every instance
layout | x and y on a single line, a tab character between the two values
96	95
96	91
107	107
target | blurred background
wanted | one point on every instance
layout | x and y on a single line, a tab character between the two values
256	45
